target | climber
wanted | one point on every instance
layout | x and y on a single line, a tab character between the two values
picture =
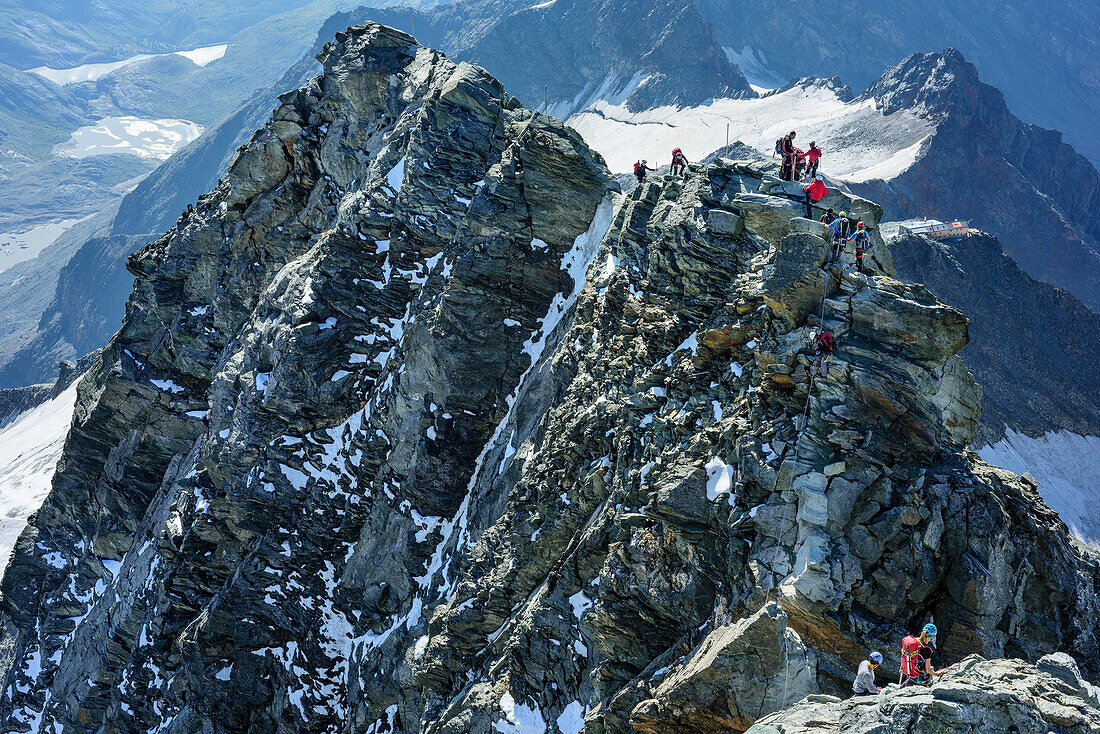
640	169
828	217
865	677
678	162
786	147
813	155
915	670
815	192
799	164
863	243
824	345
842	232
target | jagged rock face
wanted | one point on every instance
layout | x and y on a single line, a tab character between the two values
1022	376
974	697
374	452
374	263
1016	180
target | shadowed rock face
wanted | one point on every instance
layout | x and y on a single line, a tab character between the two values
408	428
1034	349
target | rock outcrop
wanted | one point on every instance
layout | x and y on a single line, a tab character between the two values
409	428
976	696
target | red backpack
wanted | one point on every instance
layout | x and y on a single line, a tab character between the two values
910	656
676	152
827	343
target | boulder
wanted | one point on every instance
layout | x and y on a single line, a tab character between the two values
739	673
796	285
727	223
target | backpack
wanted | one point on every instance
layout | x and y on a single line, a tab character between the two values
676	152
910	654
637	167
779	146
827	344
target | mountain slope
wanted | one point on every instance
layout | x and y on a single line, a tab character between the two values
410	428
573	53
1034	349
1017	181
1039	54
66	324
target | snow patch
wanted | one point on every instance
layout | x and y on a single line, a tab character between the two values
571	720
857	139
580	603
29	449
152	139
90	72
719	479
1066	466
519	718
396	176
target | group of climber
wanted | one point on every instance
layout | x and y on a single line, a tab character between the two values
677	167
916	664
798	164
841	233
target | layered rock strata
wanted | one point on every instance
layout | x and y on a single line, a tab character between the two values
409	428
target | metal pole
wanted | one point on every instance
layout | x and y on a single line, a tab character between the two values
460	50
412	24
727	135
546	99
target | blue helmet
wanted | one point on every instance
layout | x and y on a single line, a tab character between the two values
876	658
930	629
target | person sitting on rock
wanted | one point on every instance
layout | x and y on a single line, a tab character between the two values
863	243
813	155
640	169
824	345
679	162
915	669
842	232
815	192
828	217
864	684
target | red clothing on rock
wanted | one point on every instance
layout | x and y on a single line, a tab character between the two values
816	190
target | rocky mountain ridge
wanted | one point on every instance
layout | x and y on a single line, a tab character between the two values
976	696
411	427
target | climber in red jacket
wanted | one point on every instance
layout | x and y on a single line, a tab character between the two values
813	155
679	162
815	192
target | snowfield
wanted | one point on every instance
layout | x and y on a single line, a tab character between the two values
157	139
859	142
1067	468
29	449
91	72
20	246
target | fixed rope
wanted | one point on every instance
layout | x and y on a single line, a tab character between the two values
802	423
